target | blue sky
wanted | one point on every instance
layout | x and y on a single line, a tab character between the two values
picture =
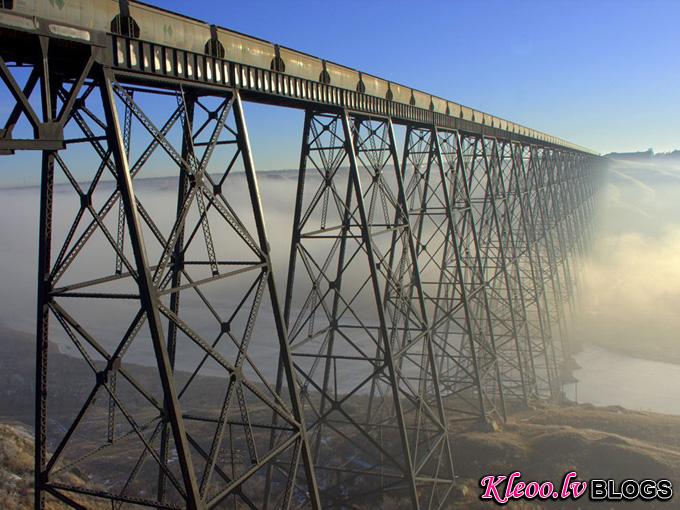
603	74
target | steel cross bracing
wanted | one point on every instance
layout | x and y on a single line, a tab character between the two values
440	201
531	270
427	289
172	444
360	337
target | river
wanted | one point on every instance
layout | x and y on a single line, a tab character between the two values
609	378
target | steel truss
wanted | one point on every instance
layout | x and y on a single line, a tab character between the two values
191	438
422	294
361	339
441	189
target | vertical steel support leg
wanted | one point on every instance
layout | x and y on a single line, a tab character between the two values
48	99
501	252
429	375
539	350
282	333
553	225
148	294
543	240
42	333
383	332
515	231
448	174
288	299
467	167
562	272
360	339
549	265
176	278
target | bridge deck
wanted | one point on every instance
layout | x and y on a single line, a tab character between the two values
171	48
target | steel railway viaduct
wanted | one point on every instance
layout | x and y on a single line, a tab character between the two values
426	286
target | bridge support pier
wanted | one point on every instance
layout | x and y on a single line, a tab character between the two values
361	338
187	423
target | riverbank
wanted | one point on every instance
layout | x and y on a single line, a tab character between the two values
647	351
605	377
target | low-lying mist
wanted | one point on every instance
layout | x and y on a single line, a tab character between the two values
630	283
631	280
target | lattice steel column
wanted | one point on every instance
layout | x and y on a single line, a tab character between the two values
49	111
474	219
560	206
546	258
149	296
559	268
529	240
358	328
518	259
506	290
432	175
572	241
193	429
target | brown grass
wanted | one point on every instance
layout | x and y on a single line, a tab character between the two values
547	442
16	473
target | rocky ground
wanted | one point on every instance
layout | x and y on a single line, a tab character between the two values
16	471
542	443
547	442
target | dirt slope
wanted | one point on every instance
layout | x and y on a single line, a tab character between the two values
546	443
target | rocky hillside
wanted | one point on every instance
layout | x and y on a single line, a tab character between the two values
16	471
16	467
547	442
